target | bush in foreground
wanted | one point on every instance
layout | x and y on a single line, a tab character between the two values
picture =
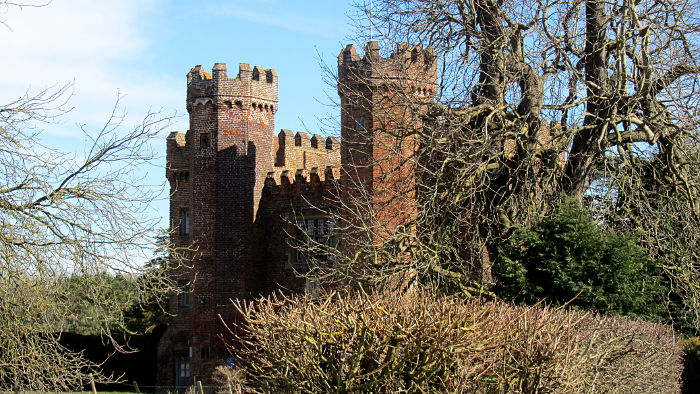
422	342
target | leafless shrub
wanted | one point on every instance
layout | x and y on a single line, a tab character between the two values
359	342
229	380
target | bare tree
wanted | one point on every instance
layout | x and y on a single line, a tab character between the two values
63	214
75	214
5	5
536	101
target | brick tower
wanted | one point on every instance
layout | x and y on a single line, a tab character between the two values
381	98
217	172
244	202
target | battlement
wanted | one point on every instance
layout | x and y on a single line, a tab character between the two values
411	68
236	182
303	181
177	158
253	87
299	151
176	139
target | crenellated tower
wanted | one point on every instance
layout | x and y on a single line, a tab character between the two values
381	102
232	122
243	199
217	172
234	115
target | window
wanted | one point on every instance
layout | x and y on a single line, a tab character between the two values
182	370
204	140
315	238
185	220
360	124
313	286
300	251
204	352
185	296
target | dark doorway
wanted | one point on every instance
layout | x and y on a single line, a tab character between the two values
182	372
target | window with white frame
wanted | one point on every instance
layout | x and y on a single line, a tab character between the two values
182	370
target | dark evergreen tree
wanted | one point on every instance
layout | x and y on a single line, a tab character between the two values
567	258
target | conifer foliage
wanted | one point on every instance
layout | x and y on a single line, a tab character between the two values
567	258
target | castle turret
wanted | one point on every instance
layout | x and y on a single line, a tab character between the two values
232	123
217	172
381	100
235	114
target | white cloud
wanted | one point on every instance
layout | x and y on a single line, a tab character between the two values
97	44
74	29
85	41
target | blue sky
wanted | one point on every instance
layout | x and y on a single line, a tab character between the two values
142	50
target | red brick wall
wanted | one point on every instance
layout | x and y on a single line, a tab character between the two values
389	94
244	186
227	155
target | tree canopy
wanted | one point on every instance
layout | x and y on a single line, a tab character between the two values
68	215
566	258
538	101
